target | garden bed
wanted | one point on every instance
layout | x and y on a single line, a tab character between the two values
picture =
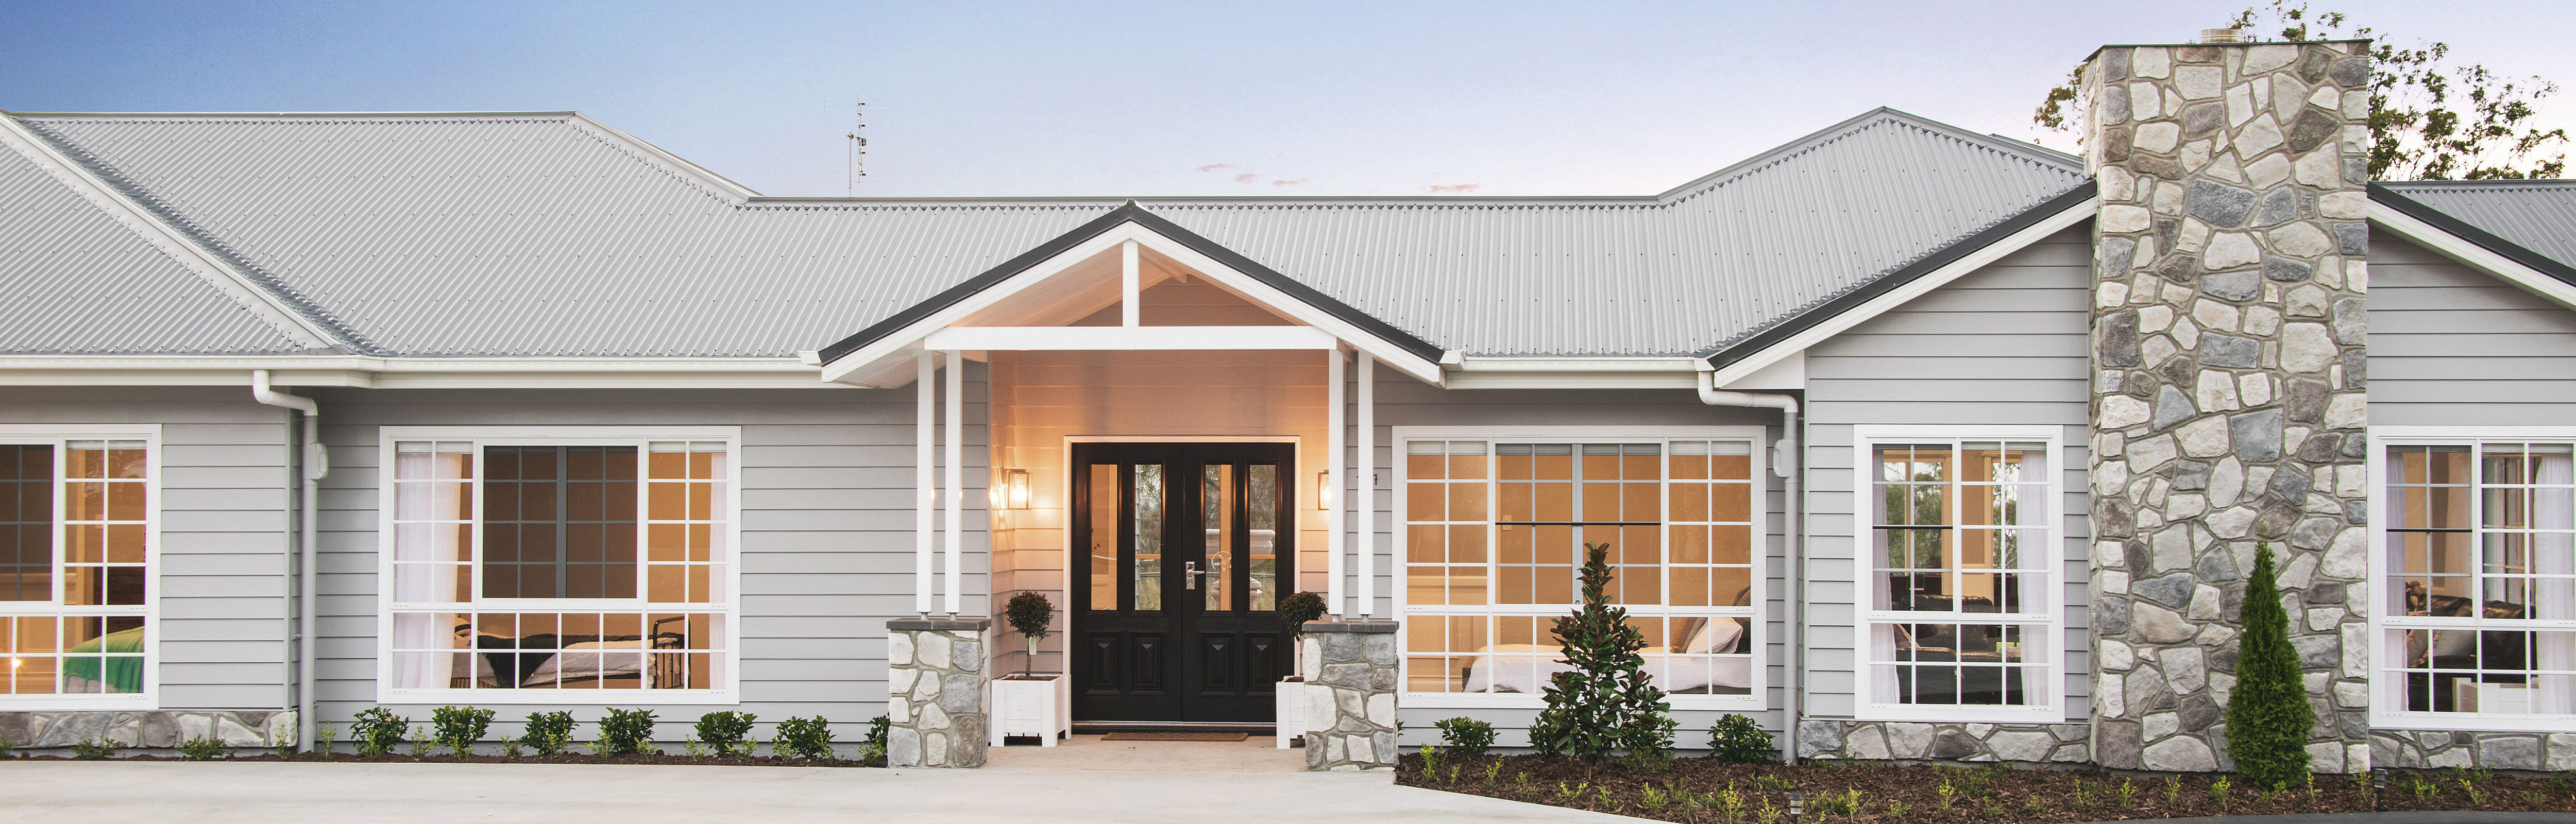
662	759
1698	790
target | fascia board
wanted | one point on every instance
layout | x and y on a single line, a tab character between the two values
2471	253
1386	351
1683	364
2036	230
215	273
384	373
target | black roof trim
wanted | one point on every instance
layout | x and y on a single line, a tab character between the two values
2482	238
1909	273
1137	214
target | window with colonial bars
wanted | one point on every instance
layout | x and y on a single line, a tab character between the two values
2478	578
1494	530
549	565
1960	548
76	554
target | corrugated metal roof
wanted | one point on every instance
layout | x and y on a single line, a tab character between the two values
2539	215
498	235
79	282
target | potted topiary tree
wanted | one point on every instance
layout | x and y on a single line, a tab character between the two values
1030	703
1290	707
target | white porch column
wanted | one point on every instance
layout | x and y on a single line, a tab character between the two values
925	435
1333	600
956	473
1364	478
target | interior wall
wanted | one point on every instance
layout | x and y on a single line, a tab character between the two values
1043	399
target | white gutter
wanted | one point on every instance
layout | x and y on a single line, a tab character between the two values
317	463
1787	461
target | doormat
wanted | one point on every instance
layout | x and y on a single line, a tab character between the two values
1175	736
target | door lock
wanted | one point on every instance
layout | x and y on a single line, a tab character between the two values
1190	574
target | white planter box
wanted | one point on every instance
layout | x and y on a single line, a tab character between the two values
1291	711
1040	705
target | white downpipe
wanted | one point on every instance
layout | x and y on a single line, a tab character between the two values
924	481
1788	460
317	463
1333	600
1364	478
956	474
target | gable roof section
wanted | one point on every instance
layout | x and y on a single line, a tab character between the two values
2532	222
515	235
80	281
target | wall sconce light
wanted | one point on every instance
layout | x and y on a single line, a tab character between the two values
1015	488
1324	489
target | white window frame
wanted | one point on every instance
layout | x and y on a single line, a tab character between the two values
1758	437
2387	695
2048	632
728	693
155	553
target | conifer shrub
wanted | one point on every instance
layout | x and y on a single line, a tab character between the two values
2269	719
1607	703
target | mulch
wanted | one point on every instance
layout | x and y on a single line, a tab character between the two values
658	759
1915	794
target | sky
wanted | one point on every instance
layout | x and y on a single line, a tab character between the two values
1139	99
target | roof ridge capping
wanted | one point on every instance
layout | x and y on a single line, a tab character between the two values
1883	115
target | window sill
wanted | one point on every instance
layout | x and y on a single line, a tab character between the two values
2470	722
497	697
1962	715
76	703
1525	701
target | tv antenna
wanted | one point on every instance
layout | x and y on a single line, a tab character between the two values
858	148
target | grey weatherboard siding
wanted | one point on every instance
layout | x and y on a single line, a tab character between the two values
2453	346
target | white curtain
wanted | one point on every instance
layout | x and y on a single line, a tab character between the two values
2554	554
427	558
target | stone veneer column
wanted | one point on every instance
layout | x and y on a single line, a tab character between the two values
935	692
2228	397
1350	695
147	729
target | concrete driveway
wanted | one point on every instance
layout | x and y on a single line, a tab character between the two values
287	793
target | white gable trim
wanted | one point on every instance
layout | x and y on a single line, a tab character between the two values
875	360
1731	373
293	325
2471	255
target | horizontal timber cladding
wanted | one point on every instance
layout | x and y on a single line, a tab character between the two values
1404	402
2453	346
2004	345
826	534
221	568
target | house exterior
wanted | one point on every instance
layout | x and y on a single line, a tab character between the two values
1907	441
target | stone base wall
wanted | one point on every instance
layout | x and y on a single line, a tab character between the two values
935	692
1900	741
2433	749
1350	695
152	729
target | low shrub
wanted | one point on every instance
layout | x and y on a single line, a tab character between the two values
93	750
1465	736
804	738
548	732
875	746
1738	740
201	749
377	731
459	727
626	732
726	732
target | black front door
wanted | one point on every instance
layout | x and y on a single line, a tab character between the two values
1182	551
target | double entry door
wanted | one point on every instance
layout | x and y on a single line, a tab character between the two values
1182	552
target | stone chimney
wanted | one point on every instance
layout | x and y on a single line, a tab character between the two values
2228	403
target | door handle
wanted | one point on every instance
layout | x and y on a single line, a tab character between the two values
1190	574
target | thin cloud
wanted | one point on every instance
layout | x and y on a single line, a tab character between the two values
1288	182
1214	166
1246	177
1460	189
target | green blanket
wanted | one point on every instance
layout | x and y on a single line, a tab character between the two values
124	672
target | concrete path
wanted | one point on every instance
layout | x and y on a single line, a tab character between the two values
295	793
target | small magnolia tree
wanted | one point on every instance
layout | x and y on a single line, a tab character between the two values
1607	703
2268	715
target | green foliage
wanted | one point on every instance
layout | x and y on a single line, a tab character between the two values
201	749
276	734
1466	736
2269	719
511	748
420	742
625	732
726	732
1297	609
874	747
548	732
322	739
1607	702
1030	613
93	750
459	727
377	730
1430	759
1846	803
1737	739
804	738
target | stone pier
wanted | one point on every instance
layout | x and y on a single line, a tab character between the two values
1350	695
935	692
2228	398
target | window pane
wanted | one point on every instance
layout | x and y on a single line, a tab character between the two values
26	522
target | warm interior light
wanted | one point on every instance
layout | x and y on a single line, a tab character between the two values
1015	488
1324	490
